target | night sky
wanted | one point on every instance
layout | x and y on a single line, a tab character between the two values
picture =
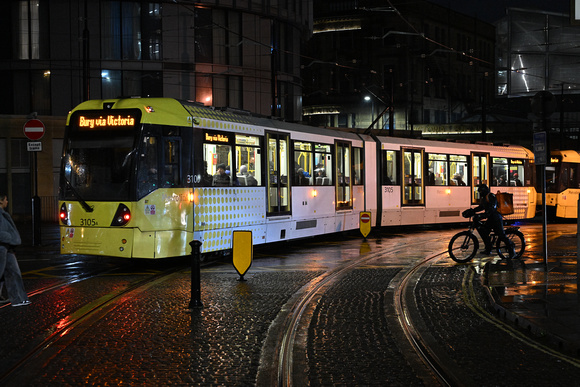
493	10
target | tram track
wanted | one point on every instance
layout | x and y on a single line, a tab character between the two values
402	298
286	375
69	280
427	355
67	328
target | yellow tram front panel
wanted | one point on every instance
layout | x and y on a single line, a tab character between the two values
96	241
161	223
566	203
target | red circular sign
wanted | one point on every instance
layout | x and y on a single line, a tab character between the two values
34	129
365	218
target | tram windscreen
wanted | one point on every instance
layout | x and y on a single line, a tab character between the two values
97	163
98	168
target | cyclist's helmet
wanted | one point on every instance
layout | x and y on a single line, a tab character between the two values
483	189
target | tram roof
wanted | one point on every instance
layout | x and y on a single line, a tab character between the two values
169	111
570	156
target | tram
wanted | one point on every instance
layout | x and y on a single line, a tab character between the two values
143	177
562	184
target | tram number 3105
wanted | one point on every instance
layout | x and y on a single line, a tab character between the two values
88	222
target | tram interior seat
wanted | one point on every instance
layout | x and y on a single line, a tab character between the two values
322	180
243	181
304	180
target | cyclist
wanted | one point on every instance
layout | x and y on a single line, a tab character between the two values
494	220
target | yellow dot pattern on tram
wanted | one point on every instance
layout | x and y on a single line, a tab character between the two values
218	210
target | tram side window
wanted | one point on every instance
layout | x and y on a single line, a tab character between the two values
343	175
357	166
323	167
551	185
390	170
516	176
303	158
499	171
568	176
438	167
218	158
148	177
458	169
574	182
248	161
508	172
171	166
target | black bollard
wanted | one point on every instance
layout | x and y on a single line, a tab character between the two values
195	302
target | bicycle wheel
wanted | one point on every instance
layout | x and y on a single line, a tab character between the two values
519	241
463	246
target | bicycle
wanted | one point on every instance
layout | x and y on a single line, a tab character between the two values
464	245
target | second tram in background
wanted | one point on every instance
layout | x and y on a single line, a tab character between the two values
562	184
143	177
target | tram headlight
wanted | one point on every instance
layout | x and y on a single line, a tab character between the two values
63	214
122	216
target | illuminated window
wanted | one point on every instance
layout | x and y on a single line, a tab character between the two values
343	175
303	158
217	159
390	168
323	164
508	172
357	166
447	170
248	161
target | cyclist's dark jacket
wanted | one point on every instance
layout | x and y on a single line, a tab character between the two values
488	204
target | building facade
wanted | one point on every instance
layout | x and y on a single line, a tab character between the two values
243	54
537	52
395	67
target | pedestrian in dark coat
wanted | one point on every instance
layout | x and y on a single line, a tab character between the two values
9	239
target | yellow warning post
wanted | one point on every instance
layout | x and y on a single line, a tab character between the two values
242	251
365	223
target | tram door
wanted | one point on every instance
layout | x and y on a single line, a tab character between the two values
413	181
278	167
479	173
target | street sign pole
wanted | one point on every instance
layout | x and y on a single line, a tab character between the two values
541	155
34	130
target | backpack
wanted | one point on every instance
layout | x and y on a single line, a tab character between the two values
505	203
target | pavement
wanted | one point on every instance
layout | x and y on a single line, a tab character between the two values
538	294
541	293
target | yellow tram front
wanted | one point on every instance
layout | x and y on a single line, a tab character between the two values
121	160
562	184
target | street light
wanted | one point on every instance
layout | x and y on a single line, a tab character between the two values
367	98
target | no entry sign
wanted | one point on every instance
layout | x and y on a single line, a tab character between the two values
365	217
34	129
